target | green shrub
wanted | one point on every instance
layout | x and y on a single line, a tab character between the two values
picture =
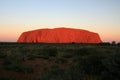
112	67
60	60
19	68
8	78
50	52
53	74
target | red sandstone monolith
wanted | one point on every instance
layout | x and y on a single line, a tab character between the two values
59	35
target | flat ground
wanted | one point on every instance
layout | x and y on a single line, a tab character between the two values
20	61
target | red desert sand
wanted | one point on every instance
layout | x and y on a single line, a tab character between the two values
59	35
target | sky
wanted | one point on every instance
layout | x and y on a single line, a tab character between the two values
101	16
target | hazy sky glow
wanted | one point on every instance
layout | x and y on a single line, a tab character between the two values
102	16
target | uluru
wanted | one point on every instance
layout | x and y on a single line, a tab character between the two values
59	35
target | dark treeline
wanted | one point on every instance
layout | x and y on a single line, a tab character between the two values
42	43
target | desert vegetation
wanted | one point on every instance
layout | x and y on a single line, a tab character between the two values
40	61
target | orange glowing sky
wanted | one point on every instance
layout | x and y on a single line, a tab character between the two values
101	16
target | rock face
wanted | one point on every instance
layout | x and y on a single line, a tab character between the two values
59	35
